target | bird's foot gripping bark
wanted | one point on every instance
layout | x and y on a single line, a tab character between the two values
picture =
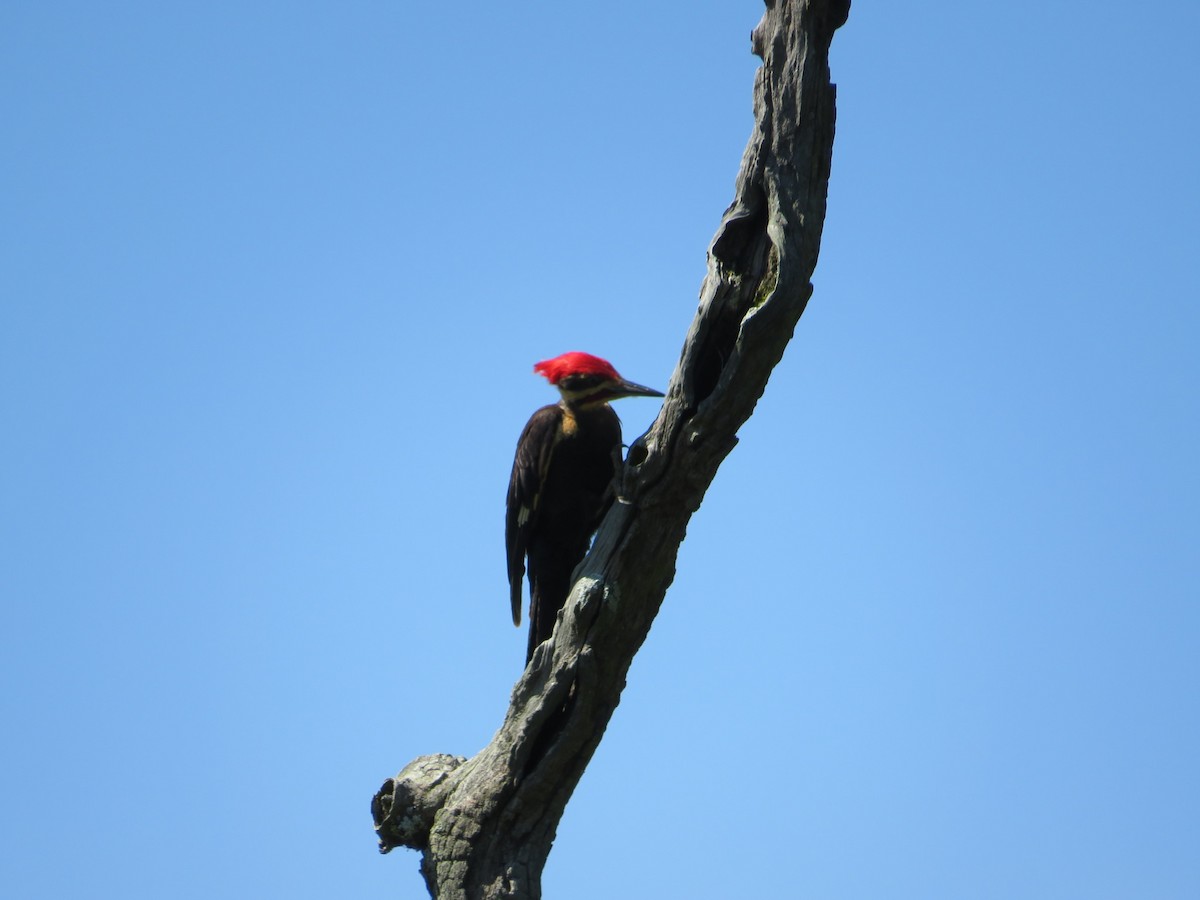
626	484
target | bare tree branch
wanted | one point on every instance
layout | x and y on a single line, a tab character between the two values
485	825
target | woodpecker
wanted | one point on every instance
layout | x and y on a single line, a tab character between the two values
562	482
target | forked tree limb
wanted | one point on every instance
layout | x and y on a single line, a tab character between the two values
484	825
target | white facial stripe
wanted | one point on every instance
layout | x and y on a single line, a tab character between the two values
577	396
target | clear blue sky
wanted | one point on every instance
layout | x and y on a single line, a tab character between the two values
272	279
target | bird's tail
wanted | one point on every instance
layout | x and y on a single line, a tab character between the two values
515	593
547	593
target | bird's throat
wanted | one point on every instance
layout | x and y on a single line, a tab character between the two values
570	424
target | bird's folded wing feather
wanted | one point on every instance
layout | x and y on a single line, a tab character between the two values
534	450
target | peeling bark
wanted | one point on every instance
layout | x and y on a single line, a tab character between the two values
484	825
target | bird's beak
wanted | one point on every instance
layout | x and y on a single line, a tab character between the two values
629	389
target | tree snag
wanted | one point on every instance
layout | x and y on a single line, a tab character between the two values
484	825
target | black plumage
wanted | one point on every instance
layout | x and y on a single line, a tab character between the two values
561	485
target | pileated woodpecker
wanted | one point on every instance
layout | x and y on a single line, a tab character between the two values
562	483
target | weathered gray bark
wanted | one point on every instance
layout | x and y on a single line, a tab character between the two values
484	826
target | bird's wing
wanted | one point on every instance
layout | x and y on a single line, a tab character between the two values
534	450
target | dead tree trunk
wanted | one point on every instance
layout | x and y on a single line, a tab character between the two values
484	825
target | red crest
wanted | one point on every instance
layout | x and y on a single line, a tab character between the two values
575	363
